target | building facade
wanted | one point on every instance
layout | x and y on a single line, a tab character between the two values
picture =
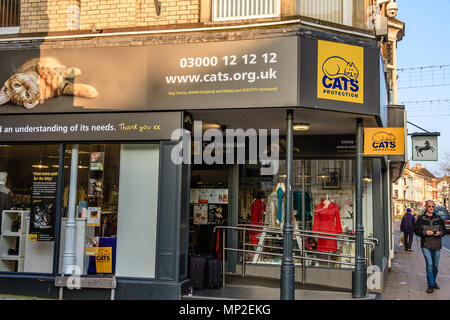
99	99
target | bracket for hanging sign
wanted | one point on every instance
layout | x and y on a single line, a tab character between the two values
157	7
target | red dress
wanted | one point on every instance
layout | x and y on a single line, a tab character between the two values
327	220
257	208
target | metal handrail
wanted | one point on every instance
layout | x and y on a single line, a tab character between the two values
261	228
373	242
307	231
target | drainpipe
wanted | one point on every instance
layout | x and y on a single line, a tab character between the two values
359	274
68	259
287	291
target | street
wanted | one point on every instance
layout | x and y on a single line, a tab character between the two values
446	241
407	280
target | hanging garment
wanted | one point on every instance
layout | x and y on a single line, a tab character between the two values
271	213
219	244
327	219
257	209
298	205
280	204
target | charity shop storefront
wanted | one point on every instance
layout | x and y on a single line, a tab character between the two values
119	158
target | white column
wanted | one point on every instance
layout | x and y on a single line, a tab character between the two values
68	260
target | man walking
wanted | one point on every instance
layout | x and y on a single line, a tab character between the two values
431	228
407	227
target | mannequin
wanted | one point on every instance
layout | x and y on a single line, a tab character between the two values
258	208
280	196
5	197
298	205
272	203
5	194
327	219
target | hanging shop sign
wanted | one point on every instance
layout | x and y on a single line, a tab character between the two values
43	206
90	127
425	147
340	72
219	74
384	141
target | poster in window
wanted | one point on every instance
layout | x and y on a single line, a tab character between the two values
43	206
94	216
95	189
217	213
211	196
91	247
200	214
333	178
97	161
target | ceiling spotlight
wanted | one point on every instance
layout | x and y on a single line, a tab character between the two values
301	126
211	126
40	166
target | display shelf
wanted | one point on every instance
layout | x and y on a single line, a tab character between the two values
14	240
8	216
9	264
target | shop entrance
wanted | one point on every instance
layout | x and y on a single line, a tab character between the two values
209	207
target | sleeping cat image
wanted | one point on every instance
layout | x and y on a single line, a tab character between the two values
337	66
39	79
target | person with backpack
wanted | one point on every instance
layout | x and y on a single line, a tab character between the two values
407	227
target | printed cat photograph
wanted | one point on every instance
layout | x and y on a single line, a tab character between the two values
40	79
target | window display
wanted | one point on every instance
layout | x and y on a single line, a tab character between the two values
329	190
28	175
97	203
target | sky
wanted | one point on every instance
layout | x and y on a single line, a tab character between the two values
426	43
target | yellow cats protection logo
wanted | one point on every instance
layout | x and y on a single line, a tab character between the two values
340	72
384	141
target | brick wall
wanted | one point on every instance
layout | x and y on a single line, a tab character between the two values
64	15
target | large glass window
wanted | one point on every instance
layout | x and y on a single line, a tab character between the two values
96	207
103	216
329	190
28	175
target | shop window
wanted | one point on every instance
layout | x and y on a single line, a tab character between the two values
9	16
226	10
96	209
116	209
28	178
328	187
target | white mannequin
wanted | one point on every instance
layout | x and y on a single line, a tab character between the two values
3	179
5	201
326	202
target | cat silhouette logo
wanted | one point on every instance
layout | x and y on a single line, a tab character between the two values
384	141
340	72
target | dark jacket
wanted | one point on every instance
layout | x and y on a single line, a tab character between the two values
408	223
434	223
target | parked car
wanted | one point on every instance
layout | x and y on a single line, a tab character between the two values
443	213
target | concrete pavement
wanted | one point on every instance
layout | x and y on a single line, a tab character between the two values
407	279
